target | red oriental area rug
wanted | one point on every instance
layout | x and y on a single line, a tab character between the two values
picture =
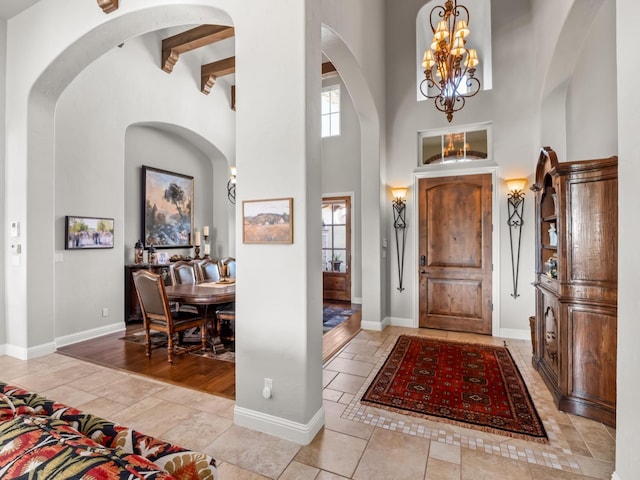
475	386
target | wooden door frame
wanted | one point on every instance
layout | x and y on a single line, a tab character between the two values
458	170
351	195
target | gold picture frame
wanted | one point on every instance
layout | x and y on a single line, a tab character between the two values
268	221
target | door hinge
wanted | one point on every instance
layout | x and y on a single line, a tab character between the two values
492	307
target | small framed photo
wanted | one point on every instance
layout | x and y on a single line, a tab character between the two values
267	221
87	232
162	258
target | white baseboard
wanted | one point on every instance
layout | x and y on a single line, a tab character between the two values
615	476
280	427
89	334
357	300
26	353
515	334
375	326
401	322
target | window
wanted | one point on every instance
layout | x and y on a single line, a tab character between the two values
331	111
463	145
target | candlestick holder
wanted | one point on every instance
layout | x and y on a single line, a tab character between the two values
197	255
206	247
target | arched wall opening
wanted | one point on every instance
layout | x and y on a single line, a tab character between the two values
373	270
31	195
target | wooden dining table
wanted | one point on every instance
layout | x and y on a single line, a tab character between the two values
204	294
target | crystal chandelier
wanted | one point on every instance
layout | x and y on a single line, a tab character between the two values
449	68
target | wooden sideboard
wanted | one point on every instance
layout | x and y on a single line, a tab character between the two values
132	311
576	283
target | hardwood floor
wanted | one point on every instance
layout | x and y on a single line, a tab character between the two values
337	337
208	375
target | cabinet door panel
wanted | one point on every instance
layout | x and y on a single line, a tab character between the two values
592	373
593	256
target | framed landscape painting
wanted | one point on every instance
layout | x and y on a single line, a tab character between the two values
88	232
267	221
167	208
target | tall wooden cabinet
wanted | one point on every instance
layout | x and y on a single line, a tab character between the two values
576	283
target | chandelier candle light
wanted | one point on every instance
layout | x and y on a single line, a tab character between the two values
449	68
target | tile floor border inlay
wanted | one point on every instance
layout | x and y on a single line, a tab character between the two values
554	455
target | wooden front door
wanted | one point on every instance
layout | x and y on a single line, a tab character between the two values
336	248
455	265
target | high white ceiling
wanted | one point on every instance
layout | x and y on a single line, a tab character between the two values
10	8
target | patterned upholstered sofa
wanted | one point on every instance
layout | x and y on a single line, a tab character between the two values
41	438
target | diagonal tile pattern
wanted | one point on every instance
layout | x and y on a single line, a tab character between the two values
357	442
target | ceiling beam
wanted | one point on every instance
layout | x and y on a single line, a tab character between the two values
328	69
197	37
108	6
211	71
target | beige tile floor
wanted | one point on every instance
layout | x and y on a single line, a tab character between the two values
357	442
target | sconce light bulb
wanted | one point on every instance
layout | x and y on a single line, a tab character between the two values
399	194
516	185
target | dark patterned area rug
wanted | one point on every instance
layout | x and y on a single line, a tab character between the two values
191	338
474	386
333	316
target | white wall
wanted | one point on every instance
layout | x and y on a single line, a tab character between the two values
628	420
591	119
341	164
3	93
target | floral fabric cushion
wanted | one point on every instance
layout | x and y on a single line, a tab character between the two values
179	462
11	408
42	447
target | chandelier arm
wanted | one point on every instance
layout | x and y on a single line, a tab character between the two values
429	83
471	82
441	13
456	11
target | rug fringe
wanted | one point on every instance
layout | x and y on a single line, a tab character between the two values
457	423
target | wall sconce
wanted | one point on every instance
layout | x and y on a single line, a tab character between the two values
231	186
515	206
400	225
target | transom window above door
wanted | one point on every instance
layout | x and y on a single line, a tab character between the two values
453	146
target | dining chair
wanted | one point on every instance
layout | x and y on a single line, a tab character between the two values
183	273
226	317
228	267
157	314
208	271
